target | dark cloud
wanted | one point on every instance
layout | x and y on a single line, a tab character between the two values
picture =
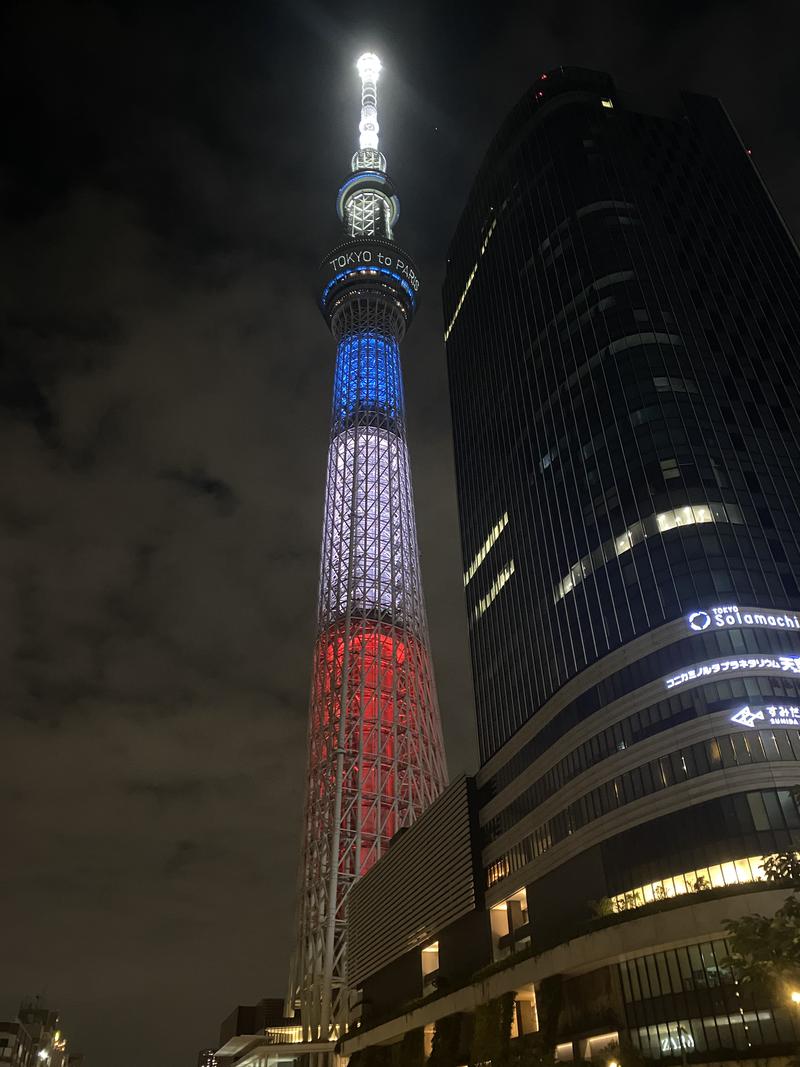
199	481
168	179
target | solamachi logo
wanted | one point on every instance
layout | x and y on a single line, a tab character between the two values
731	615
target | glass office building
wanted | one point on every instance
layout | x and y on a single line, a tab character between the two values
622	330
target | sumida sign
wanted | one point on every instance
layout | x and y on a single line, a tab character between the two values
787	715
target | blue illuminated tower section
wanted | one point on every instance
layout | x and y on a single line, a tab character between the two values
376	758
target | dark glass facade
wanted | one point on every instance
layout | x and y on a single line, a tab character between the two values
689	999
622	330
621	314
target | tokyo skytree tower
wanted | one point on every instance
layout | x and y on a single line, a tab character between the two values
375	752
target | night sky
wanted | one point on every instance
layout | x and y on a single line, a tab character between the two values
168	181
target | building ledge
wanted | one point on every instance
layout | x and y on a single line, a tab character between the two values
657	931
236	1048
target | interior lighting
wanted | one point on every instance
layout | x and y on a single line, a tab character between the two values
480	556
795	996
284	1035
494	589
470	279
733	872
663	522
607	103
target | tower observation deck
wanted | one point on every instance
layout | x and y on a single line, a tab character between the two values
375	752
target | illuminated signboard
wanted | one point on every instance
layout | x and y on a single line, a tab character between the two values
374	254
674	1043
772	664
730	615
769	715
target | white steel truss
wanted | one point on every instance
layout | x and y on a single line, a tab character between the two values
375	751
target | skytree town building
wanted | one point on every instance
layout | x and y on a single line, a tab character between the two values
375	756
623	342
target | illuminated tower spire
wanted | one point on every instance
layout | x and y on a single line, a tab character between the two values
369	67
376	758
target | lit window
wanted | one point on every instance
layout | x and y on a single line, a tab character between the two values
675	385
669	468
470	279
427	1043
494	589
480	556
689	515
606	103
734	872
430	965
508	918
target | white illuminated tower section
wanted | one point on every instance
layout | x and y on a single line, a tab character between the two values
376	758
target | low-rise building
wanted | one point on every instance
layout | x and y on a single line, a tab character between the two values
628	511
260	1035
16	1045
432	962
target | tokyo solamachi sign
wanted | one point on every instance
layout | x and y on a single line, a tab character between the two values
729	615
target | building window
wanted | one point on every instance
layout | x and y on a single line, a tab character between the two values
510	925
430	967
675	385
481	554
601	1047
494	589
428	1033
525	1019
733	872
667	1003
662	522
663	772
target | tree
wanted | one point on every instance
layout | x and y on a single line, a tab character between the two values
492	1033
782	867
410	1052
602	907
446	1044
766	951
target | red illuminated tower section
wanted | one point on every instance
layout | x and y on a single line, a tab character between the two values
375	759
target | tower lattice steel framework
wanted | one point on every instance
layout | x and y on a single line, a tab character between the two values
375	753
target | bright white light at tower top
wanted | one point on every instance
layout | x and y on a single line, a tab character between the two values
369	67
